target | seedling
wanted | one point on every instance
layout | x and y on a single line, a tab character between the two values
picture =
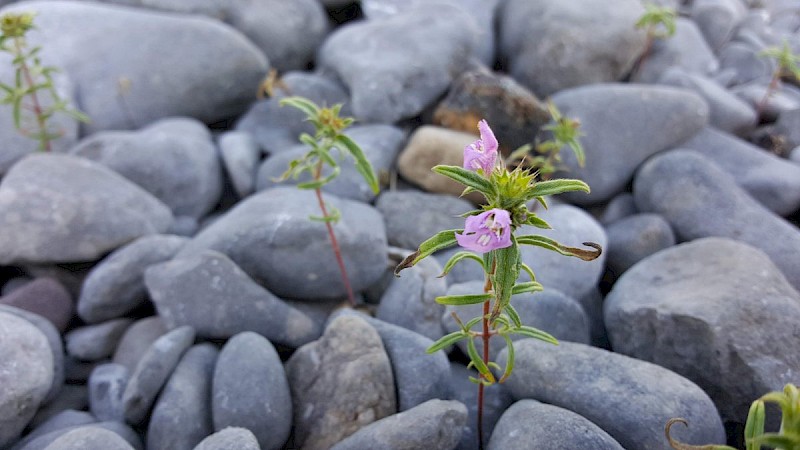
786	67
659	23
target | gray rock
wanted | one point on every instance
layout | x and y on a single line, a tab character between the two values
644	120
55	344
131	88
717	19
340	383
686	49
528	424
592	304
251	390
275	128
534	38
411	217
771	180
794	155
212	294
65	419
788	126
633	238
174	159
152	372
26	376
496	399
137	339
106	386
59	208
700	200
621	206
550	311
240	156
630	399
409	301
785	98
77	372
395	66
704	320
744	63
116	285
45	297
13	284
727	112
182	415
270	236
70	396
96	342
89	438
123	431
230	438
380	143
433	425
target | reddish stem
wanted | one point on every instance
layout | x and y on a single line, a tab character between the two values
773	85
485	336
648	47
37	109
334	243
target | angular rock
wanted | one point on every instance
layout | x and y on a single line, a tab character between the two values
496	399
616	392
433	425
174	159
137	339
771	180
96	342
240	156
636	237
396	66
152	371
340	383
529	424
45	297
251	390
182	415
230	438
536	38
131	88
671	184
116	285
106	386
686	49
89	438
270	236
645	120
706	320
59	208
26	376
212	294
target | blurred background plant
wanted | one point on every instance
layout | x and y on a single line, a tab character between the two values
786	67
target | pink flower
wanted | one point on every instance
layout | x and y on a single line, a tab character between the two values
482	154
486	231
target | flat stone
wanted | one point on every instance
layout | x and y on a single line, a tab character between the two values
137	339
45	297
718	19
70	397
686	49
240	157
96	342
106	386
123	431
89	438
636	237
231	438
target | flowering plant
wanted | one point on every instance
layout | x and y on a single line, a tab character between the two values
489	239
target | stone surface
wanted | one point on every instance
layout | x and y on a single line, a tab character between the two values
45	297
106	387
686	49
231	438
540	40
619	207
96	342
70	396
65	419
137	339
528	424
121	430
744	63
771	180
700	200
496	399
380	144
395	66
251	390
634	238
116	285
174	159
270	236
89	438
182	414
212	294
788	126
240	157
623	125
630	399
433	425
340	383
59	208
717	19
130	88
26	376
707	320
152	371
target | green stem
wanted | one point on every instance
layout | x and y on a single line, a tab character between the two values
44	141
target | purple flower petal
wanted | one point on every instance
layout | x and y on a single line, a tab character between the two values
482	154
486	231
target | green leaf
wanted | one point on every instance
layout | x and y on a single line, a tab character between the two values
363	165
785	441
439	241
316	184
755	424
535	333
537	222
528	270
483	369
550	244
468	299
468	326
458	257
303	104
467	178
507	262
514	315
510	358
446	341
552	187
528	286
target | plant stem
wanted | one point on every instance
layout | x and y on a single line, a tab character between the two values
334	243
648	47
773	85
44	142
485	336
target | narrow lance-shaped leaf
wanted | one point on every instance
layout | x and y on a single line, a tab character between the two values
458	300
537	222
316	184
505	276
439	241
535	333
552	187
363	165
467	178
446	341
755	424
514	315
483	369
303	104
550	244
509	358
528	286
458	257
